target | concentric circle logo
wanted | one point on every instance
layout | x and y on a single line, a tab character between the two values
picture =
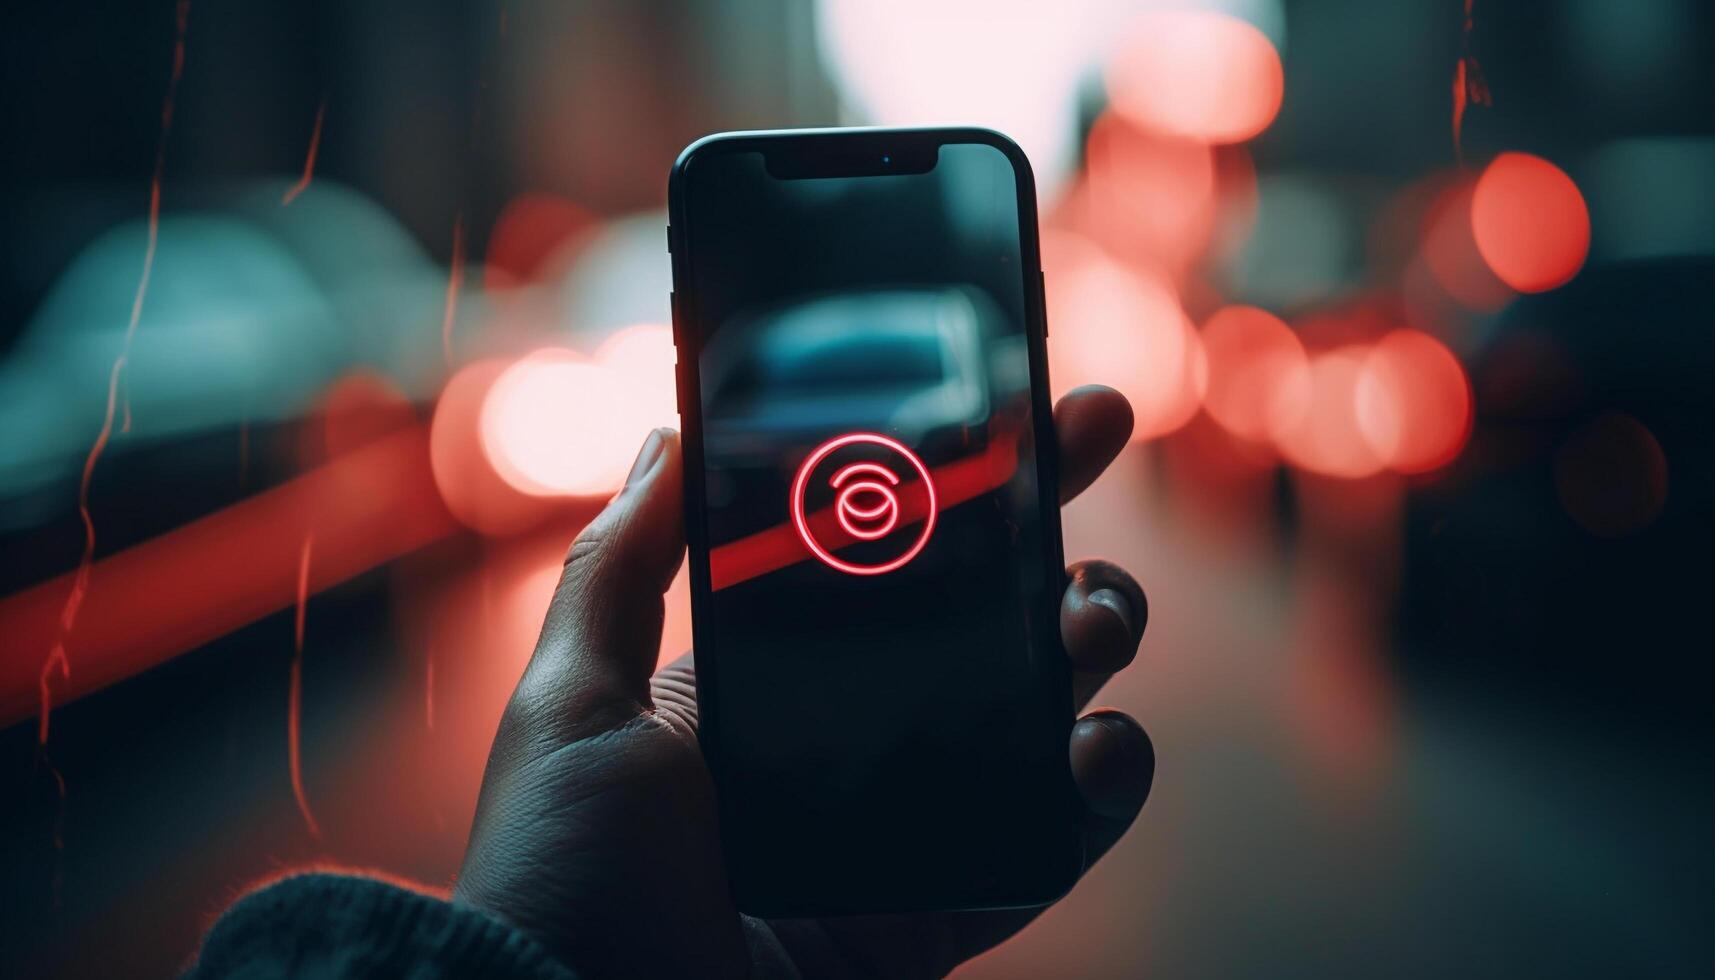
864	488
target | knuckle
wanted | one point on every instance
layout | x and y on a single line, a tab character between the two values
587	548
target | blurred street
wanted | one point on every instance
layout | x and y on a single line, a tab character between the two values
325	327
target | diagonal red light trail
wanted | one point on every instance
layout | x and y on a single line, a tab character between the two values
455	278
1468	86
294	696
57	659
779	546
309	157
201	581
221	572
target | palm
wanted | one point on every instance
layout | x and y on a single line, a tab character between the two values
596	829
918	945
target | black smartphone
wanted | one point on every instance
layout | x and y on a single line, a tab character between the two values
872	508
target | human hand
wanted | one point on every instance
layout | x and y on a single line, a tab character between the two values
596	829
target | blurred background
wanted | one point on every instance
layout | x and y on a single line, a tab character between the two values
324	327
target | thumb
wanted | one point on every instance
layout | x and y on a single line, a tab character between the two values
591	667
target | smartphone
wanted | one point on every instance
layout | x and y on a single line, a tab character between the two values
872	510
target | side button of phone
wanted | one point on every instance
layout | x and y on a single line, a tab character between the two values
678	342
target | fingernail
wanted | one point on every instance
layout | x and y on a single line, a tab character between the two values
1112	600
646	457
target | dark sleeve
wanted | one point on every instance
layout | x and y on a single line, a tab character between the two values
330	925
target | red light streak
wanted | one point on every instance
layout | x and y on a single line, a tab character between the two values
358	408
57	657
1468	86
294	697
80	579
309	158
455	278
1460	96
199	582
781	546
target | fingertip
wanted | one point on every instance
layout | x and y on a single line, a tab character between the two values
1102	616
602	632
1093	424
647	457
656	527
1096	409
1113	763
1097	638
640	534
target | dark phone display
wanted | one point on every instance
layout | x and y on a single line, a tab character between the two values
883	694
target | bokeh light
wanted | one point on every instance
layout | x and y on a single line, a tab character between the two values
1197	74
1414	402
1148	195
558	423
1259	376
531	234
1373	596
1449	250
1530	222
1110	325
469	484
1326	437
544	426
641	358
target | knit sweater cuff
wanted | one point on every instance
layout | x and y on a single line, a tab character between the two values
347	926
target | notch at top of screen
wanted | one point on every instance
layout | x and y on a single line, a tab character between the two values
807	159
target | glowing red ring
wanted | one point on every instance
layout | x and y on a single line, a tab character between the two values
802	480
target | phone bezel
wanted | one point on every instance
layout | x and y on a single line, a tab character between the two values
793	154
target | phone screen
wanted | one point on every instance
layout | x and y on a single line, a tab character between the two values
875	551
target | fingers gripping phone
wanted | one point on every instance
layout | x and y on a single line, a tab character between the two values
871	506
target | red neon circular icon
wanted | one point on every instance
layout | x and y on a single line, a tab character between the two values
866	505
